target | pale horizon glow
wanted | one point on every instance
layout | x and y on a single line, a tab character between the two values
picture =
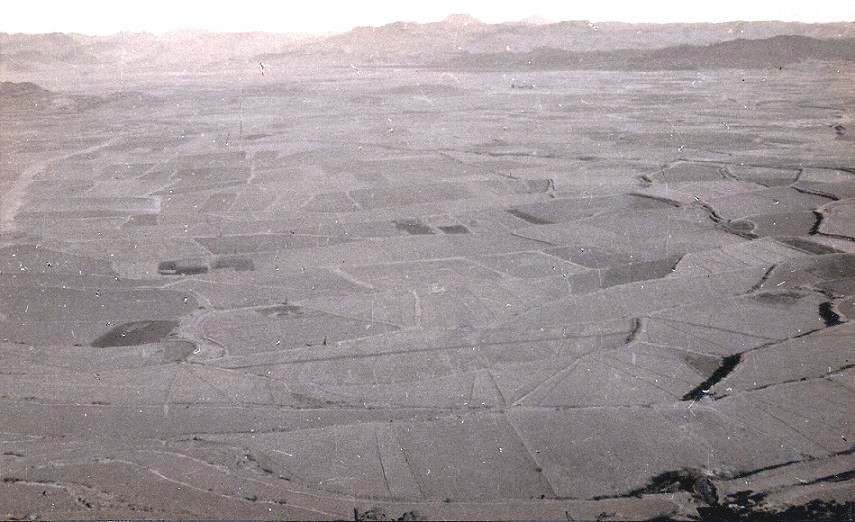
101	17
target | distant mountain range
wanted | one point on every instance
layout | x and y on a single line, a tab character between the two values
458	41
14	90
171	51
777	51
461	34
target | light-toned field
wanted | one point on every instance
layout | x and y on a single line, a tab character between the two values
408	293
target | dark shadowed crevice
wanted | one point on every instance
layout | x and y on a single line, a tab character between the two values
811	247
377	513
835	371
843	476
658	199
828	315
759	284
711	212
181	268
751	472
815	192
534	220
688	480
728	364
645	180
815	229
638	327
728	175
747	508
454	229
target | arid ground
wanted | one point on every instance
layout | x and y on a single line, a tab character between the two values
403	293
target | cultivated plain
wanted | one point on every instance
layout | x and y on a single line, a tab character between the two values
426	292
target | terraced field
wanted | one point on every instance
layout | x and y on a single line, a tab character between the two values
408	293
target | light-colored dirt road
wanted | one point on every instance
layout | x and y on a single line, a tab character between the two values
14	199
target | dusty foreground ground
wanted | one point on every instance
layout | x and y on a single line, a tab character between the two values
401	293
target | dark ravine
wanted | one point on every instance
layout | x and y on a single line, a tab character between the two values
638	326
534	220
745	506
689	480
815	229
843	476
828	315
728	364
808	246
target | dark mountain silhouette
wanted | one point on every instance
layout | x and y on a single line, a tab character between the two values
19	89
459	40
583	36
31	97
777	51
412	43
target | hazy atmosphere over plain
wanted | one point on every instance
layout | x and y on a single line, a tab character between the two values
103	17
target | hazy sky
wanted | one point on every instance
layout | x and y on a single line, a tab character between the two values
320	16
